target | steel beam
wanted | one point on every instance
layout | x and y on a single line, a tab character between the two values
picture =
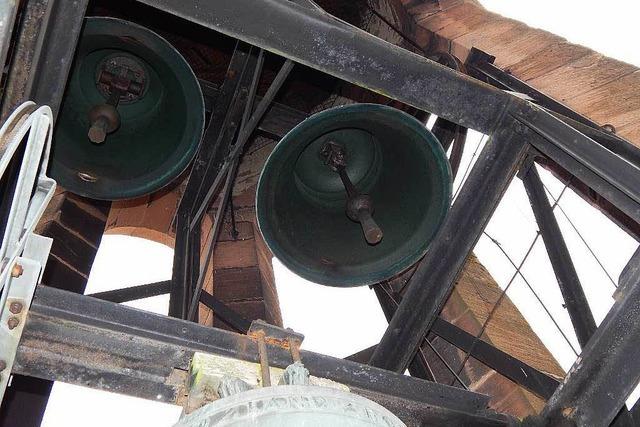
206	164
609	174
100	344
574	298
225	313
480	65
610	141
517	371
44	53
133	293
8	12
436	274
596	387
277	121
419	367
317	39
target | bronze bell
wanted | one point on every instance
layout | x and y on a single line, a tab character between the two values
353	195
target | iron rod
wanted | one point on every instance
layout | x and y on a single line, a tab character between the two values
225	313
246	132
212	239
134	292
207	162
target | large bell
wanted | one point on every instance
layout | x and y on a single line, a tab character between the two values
132	116
353	195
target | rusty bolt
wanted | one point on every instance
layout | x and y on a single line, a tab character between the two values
15	307
3	365
17	270
13	322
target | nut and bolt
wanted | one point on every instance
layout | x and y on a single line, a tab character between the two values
15	307
13	322
17	270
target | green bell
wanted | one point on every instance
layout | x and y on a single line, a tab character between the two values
353	195
132	116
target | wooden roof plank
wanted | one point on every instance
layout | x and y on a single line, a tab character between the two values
488	35
616	102
456	21
523	43
581	76
548	59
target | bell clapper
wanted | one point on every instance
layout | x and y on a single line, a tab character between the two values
359	206
120	79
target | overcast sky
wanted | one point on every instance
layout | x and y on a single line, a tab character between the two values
354	320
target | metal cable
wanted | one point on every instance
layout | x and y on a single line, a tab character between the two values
389	294
613	282
468	169
449	368
533	292
504	293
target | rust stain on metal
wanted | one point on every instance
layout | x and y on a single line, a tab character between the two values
17	270
282	343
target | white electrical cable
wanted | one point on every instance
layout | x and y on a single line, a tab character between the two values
33	189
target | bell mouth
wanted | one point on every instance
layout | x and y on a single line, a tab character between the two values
301	201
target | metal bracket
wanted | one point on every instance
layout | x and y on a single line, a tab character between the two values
17	295
23	254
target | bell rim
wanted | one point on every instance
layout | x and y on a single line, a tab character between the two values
313	275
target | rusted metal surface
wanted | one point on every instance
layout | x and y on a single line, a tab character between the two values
317	39
24	59
608	369
48	35
99	344
274	335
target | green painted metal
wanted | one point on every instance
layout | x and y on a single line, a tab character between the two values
159	133
301	201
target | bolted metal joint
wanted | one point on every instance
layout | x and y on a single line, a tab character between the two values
15	307
13	323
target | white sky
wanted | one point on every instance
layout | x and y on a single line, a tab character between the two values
354	320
